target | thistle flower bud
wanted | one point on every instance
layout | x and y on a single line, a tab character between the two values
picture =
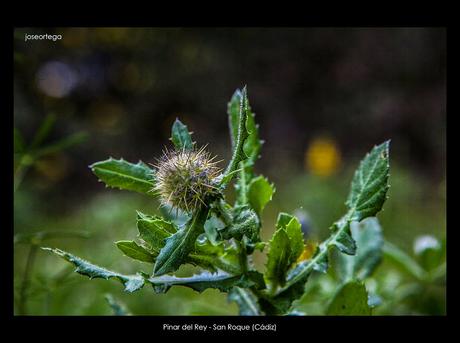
187	179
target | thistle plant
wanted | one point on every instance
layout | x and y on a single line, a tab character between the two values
201	228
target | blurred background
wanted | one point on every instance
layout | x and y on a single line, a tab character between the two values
322	96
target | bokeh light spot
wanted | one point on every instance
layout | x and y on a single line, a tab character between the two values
322	157
56	79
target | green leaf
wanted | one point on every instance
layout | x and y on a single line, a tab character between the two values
251	148
238	154
233	111
370	184
350	300
252	144
342	239
212	226
246	300
215	256
286	246
283	219
135	251
260	192
131	282
154	231
369	241
278	259
180	136
200	282
294	232
124	175
180	244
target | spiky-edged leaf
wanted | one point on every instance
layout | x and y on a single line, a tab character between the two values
285	248
179	245
246	300
369	241
154	231
260	192
215	256
200	282
368	192
370	184
278	259
233	111
238	154
350	300
135	251
251	146
125	175
180	136
131	282
294	231
283	219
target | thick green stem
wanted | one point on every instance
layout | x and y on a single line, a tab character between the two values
243	186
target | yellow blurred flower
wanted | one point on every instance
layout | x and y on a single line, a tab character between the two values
308	251
322	157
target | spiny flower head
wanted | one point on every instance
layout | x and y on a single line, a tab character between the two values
187	179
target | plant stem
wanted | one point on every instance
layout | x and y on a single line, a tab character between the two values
243	185
22	306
